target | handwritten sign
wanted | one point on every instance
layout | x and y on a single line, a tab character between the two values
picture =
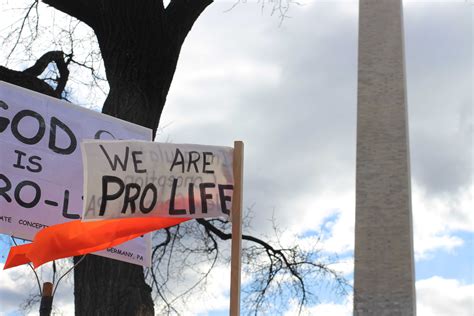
139	179
41	177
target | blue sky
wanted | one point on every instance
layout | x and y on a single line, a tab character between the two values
289	92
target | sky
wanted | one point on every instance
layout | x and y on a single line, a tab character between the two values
288	90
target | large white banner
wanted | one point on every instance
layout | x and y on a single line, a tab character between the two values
140	179
41	176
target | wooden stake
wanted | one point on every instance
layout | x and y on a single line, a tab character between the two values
46	299
236	218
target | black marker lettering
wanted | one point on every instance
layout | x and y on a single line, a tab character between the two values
136	161
105	191
172	210
41	127
206	163
193	161
143	208
36	198
52	203
130	199
204	195
5	188
18	163
192	207
116	159
65	207
99	133
55	123
225	198
3	120
34	160
178	155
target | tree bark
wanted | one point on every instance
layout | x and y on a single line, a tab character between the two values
28	78
104	286
140	42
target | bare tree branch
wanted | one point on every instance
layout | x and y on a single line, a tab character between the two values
28	78
42	63
33	5
293	262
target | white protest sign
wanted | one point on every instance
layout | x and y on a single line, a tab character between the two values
140	179
41	176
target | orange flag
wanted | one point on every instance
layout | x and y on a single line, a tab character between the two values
78	238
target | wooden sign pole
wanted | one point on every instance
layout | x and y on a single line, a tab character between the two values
46	299
236	218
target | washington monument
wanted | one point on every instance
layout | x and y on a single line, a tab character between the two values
384	267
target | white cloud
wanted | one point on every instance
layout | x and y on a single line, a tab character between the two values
437	219
215	297
19	284
305	122
290	93
433	1
437	296
16	286
344	266
322	309
436	222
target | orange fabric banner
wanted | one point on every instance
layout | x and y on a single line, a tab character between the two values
78	238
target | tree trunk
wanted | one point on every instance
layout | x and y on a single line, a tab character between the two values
140	42
104	286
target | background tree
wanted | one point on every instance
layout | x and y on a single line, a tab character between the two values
139	43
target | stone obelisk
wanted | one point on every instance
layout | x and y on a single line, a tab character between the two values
384	267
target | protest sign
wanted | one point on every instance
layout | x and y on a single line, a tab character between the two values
41	176
140	179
